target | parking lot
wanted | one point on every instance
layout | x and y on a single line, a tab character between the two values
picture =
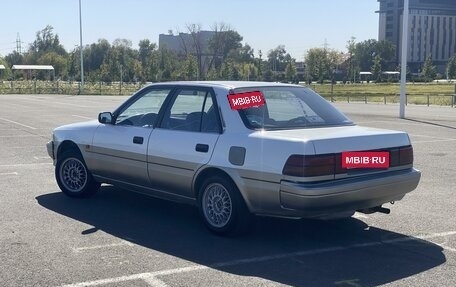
118	238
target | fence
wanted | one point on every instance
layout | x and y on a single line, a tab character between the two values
417	99
68	88
119	88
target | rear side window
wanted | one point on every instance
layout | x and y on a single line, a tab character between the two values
291	108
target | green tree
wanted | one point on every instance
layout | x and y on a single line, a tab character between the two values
353	66
59	63
222	43
429	70
290	72
94	56
6	73
376	68
190	68
451	68
46	41
317	64
149	59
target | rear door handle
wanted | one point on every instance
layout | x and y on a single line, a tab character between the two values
202	147
138	140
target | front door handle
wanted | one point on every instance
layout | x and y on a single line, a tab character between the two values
138	140
202	148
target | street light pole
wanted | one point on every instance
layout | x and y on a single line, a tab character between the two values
405	17
80	48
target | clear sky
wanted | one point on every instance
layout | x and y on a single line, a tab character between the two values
297	24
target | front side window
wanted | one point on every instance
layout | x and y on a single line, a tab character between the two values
291	108
143	112
192	110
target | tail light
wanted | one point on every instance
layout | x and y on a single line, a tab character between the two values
331	164
310	165
401	156
405	155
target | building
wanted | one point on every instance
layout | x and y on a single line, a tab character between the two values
432	30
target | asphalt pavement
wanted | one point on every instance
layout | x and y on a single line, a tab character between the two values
119	238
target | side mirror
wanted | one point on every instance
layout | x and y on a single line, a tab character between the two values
105	118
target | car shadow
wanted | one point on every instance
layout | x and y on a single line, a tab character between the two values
303	252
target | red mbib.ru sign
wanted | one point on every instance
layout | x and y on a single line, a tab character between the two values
246	100
374	159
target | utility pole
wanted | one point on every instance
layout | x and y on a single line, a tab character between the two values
405	17
80	44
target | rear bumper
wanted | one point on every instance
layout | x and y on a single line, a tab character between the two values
322	199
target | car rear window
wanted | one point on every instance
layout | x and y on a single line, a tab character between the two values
291	108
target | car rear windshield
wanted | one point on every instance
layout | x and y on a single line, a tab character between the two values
291	108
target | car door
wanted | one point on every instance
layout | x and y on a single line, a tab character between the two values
119	150
184	140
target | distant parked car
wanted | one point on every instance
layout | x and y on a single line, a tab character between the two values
235	149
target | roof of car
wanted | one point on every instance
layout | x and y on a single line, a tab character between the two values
229	84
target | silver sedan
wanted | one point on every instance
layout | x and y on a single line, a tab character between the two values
235	149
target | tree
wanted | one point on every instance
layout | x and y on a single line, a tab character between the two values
148	57
276	58
451	68
190	72
353	67
222	43
429	70
290	72
59	63
6	73
46	41
317	64
376	68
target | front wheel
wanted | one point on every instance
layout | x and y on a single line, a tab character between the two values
73	177
222	207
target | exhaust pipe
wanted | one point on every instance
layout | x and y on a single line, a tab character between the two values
375	209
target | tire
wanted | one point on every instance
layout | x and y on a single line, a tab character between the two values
222	207
73	177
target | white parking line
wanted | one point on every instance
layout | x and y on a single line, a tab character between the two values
155	282
8	173
432	137
25	164
20	136
41	157
434	141
82	117
16	123
150	277
123	243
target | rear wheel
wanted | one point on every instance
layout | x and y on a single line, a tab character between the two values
222	207
73	177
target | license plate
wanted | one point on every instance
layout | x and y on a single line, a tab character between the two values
360	159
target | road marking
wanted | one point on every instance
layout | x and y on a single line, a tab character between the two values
434	141
433	137
8	173
153	275
123	243
153	281
25	164
82	117
20	136
41	157
47	102
13	122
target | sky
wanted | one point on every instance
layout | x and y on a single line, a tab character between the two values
297	24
